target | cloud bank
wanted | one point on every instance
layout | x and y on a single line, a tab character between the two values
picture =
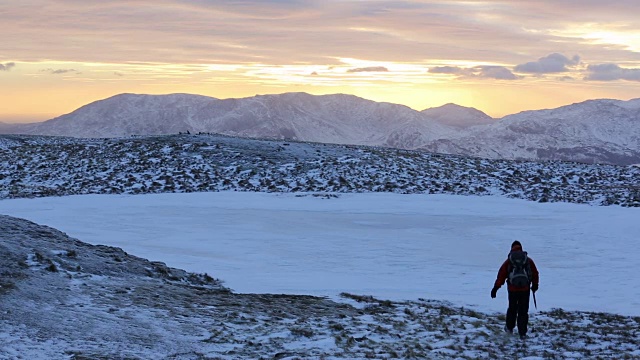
482	72
60	71
277	32
368	69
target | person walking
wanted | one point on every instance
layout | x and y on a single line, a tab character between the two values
521	275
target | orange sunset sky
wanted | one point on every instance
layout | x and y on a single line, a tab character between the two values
498	56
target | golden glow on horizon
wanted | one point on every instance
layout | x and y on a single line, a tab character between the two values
77	84
43	90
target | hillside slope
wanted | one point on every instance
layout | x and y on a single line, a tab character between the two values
66	299
54	166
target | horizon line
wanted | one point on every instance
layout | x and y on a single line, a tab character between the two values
31	119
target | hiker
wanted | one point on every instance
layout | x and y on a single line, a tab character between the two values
521	274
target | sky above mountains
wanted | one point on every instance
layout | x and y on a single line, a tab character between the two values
497	56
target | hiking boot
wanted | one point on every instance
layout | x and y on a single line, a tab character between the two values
507	330
523	336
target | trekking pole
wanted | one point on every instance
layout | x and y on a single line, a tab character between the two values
535	303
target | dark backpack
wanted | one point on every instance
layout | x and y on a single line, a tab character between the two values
519	269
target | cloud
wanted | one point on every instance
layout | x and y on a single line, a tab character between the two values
483	72
7	66
611	72
60	71
495	72
553	63
445	70
368	69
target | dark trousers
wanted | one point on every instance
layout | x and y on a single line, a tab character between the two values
518	311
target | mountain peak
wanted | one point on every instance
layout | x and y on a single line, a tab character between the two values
451	114
134	96
450	106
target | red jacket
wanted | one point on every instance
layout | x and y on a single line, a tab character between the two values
503	274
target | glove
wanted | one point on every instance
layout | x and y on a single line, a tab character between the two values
534	287
494	291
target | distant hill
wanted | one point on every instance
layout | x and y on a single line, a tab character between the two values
458	116
340	119
8	128
595	131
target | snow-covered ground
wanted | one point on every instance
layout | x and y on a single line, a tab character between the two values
398	247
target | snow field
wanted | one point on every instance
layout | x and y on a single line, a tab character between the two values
391	246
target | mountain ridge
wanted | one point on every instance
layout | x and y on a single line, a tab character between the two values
593	131
596	131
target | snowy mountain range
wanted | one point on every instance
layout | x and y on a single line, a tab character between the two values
341	119
596	131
